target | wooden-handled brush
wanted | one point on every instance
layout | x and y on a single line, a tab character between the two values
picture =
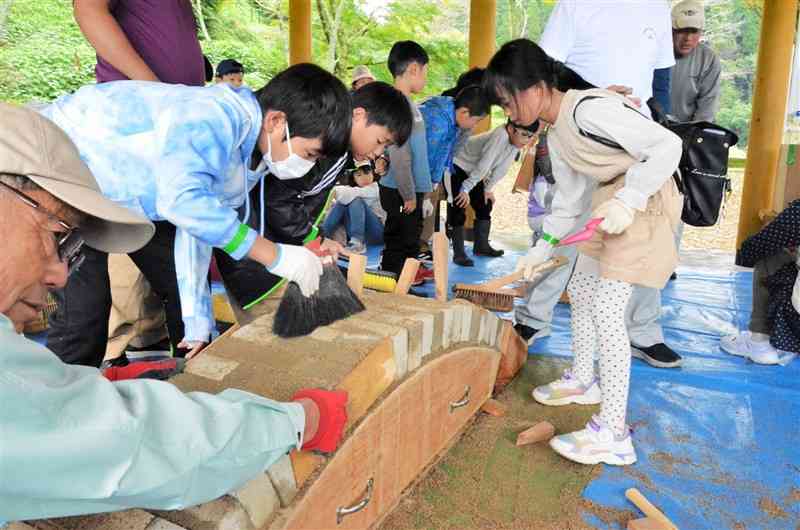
493	296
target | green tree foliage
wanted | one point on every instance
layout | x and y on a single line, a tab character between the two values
733	29
43	54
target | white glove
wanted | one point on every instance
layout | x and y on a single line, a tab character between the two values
539	253
617	216
299	265
427	207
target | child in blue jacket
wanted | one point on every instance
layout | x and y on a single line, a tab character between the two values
185	158
448	123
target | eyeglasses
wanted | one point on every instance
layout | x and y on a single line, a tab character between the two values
69	243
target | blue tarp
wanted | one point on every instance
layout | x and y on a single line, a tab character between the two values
718	440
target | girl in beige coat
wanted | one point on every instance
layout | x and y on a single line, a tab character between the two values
609	159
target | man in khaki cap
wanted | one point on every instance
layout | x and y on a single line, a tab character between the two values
361	76
695	84
74	442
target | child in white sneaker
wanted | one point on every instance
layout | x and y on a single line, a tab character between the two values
609	160
774	332
358	209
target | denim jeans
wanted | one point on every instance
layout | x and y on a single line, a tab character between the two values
359	221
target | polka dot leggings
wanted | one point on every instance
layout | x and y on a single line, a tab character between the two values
598	324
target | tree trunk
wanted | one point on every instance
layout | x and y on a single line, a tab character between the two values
201	19
5	9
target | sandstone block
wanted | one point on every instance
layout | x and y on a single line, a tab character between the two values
282	476
259	499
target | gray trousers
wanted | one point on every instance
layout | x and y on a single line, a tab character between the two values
641	316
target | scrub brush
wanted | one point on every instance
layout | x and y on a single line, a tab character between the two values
298	315
491	294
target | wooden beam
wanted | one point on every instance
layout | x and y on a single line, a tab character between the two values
482	32
299	31
778	27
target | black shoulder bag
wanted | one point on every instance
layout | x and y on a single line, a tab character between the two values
702	176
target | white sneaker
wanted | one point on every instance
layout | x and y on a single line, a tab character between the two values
744	345
568	390
595	444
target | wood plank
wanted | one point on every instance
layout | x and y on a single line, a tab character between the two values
355	273
304	464
390	445
440	264
407	276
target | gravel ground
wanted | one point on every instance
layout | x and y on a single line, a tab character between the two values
509	216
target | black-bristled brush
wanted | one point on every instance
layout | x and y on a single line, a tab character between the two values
298	315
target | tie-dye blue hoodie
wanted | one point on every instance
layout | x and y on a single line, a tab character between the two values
173	153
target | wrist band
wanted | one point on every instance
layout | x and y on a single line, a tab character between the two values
547	238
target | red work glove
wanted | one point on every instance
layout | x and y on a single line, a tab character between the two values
332	418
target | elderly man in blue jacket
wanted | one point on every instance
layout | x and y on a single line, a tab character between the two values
185	158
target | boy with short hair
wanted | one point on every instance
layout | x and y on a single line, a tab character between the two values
288	211
403	189
230	71
448	121
478	167
186	157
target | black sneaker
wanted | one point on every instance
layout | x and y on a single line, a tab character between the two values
659	355
526	332
673	276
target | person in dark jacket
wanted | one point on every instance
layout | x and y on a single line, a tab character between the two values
774	332
290	210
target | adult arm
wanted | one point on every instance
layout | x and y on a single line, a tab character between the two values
708	91
103	446
782	232
109	41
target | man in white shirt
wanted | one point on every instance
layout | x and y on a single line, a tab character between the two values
616	44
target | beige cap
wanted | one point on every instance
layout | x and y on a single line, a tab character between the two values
362	72
688	14
33	146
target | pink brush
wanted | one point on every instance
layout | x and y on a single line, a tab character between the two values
584	235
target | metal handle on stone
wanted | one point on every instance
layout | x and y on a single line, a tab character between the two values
342	511
461	402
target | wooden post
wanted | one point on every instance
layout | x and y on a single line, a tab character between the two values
769	112
407	275
355	273
482	33
299	31
441	261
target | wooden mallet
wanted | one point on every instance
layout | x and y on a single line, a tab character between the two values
655	519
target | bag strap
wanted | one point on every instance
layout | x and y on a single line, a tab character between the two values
611	143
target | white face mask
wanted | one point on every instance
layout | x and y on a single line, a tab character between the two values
294	167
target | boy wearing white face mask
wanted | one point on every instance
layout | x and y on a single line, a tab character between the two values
184	158
289	211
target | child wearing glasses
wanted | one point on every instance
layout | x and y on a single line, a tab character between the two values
478	167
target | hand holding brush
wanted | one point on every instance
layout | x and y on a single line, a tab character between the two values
299	314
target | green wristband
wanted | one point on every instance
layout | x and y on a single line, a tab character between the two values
550	239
